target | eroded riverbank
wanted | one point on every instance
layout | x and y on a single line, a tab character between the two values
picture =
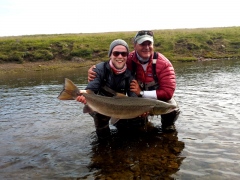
6	68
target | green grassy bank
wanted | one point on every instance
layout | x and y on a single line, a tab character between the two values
178	44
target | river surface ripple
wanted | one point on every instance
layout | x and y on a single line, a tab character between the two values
45	138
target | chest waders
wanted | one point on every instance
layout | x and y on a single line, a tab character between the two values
169	119
101	121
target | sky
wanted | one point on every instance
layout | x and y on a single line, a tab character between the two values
30	17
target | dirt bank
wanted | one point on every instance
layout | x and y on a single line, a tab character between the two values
42	66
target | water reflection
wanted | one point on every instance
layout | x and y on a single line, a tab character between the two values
137	154
53	77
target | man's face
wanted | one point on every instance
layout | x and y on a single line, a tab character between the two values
144	50
119	56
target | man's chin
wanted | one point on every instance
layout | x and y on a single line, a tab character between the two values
145	55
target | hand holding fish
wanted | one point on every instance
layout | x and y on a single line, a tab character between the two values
81	99
91	73
145	114
134	87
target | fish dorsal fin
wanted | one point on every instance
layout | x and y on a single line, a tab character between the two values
88	91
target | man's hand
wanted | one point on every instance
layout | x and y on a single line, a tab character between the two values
144	114
134	87
91	73
81	99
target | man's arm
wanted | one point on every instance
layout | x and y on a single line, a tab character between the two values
166	79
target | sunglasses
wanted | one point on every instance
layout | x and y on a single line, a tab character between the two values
141	33
116	53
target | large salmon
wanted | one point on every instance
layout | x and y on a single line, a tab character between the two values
117	107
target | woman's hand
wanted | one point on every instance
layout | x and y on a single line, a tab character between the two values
81	99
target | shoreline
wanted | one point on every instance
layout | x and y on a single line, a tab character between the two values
6	68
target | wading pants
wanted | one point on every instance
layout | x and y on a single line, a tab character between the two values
101	124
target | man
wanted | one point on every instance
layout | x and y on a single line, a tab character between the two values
111	77
154	74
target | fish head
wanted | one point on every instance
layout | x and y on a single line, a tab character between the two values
163	108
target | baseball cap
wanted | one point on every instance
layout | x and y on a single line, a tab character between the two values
142	36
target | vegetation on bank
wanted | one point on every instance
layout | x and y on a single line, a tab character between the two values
177	44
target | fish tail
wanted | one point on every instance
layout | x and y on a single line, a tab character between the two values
70	91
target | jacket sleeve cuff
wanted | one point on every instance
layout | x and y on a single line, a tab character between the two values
150	94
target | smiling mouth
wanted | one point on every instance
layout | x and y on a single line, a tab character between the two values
120	61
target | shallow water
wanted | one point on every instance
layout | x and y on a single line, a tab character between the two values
45	138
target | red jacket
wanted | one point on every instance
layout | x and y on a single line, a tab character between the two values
164	71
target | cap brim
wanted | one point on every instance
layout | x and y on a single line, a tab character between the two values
146	38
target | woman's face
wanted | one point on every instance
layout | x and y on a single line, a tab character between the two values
119	56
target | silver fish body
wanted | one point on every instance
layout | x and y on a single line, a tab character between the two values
117	107
126	107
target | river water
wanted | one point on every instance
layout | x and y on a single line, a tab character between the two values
45	138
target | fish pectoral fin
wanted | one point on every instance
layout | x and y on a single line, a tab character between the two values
87	109
114	120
